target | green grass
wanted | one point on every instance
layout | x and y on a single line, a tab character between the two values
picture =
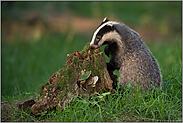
26	65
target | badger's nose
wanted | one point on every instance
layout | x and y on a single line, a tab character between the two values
91	47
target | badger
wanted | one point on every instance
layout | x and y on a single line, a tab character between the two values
128	54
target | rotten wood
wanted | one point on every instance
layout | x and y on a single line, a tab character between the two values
56	93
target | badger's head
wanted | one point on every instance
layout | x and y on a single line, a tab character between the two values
106	33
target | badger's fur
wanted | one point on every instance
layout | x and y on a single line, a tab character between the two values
128	53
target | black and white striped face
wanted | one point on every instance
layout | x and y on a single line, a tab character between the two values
105	34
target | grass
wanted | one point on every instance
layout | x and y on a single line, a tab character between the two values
42	61
26	65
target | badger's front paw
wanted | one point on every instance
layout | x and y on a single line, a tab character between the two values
107	50
110	67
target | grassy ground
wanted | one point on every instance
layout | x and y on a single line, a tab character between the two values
39	59
26	65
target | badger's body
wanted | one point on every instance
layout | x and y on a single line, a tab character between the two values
128	53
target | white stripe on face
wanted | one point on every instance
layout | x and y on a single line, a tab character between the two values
95	33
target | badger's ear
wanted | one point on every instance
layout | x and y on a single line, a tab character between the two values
111	25
105	19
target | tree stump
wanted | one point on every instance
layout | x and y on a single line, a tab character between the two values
83	74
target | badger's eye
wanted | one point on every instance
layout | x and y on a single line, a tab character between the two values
98	38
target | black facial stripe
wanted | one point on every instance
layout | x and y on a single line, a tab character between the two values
101	32
104	30
97	39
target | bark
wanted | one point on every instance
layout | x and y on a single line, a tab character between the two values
83	74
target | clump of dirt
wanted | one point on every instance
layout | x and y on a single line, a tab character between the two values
10	108
83	74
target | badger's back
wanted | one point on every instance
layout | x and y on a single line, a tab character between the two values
137	62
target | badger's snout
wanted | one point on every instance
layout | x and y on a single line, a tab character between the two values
93	46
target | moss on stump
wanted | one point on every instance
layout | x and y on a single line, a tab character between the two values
83	74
